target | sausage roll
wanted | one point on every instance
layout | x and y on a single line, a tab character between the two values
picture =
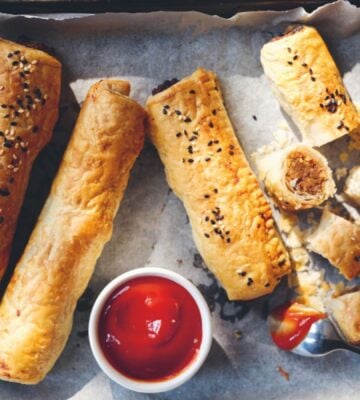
29	100
308	85
298	177
352	185
338	240
345	309
205	166
37	309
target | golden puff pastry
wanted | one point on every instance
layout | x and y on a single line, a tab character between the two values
352	185
309	87
298	177
29	98
37	309
345	309
338	240
205	166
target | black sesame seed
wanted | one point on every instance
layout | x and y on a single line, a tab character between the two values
177	112
267	284
254	117
25	85
15	63
228	240
10	55
35	129
24	149
13	123
207	159
211	124
250	281
4	192
347	128
178	134
3	106
206	196
213	222
289	49
357	258
187	119
7	116
210	143
8	144
192	91
310	71
17	52
11	179
166	106
22	75
304	65
195	133
313	79
190	160
219	150
2	133
214	112
164	111
242	273
289	62
216	141
206	235
231	153
321	105
215	190
11	107
192	138
281	263
207	218
190	149
295	57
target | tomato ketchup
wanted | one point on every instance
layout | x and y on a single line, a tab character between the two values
291	323
150	328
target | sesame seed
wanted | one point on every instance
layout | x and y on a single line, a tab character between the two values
206	196
228	240
231	153
219	150
206	235
10	55
289	49
207	159
250	281
164	111
190	149
178	134
4	192
210	143
215	190
242	273
16	52
13	123
187	119
289	62
254	117
311	71
190	160
177	112
15	63
304	65
214	112
295	57
216	141
267	284
211	125
207	218
192	91
313	79
35	129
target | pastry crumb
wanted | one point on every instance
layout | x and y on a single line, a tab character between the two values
283	373
340	173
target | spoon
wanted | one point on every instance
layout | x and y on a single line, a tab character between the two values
322	338
306	332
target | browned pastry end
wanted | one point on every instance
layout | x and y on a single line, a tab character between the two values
231	220
37	309
29	98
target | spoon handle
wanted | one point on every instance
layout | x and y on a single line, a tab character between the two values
354	349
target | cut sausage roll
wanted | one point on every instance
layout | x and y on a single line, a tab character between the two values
205	166
29	100
298	177
338	240
309	87
352	185
345	309
37	309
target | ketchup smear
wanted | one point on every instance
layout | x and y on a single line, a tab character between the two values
291	323
150	328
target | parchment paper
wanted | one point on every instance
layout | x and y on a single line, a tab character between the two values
151	227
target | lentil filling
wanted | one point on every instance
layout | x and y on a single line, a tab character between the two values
304	175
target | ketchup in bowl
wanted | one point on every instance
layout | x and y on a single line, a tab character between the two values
150	328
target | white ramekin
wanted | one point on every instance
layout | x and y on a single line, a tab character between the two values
148	386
